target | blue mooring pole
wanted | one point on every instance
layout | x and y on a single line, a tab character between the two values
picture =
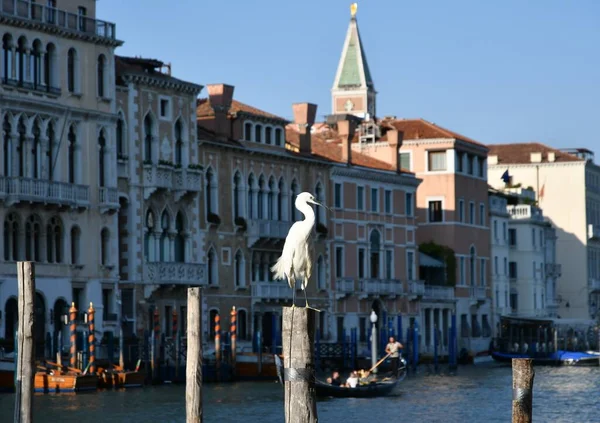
84	352
435	348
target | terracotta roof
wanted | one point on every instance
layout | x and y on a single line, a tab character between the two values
204	109
521	153
328	145
143	67
415	129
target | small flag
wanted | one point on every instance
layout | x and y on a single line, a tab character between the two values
505	177
541	195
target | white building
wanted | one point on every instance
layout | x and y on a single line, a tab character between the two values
58	173
568	184
499	254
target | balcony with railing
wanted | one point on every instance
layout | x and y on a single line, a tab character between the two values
478	293
271	291
344	287
438	293
173	273
265	228
157	176
525	211
553	270
29	12
187	181
416	289
108	199
594	232
380	287
15	190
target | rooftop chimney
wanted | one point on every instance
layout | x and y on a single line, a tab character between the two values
220	96
304	118
536	157
492	160
394	138
346	129
551	156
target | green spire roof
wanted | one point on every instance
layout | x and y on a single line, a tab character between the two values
353	69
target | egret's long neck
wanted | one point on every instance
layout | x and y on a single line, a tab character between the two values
308	212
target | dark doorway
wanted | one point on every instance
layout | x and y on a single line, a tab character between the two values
39	325
11	313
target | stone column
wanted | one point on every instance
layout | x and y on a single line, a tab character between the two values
44	159
13	73
27	150
187	257
157	246
15	150
285	199
27	68
42	68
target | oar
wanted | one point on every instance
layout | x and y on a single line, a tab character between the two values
379	362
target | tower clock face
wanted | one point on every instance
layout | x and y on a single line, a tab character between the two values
349	105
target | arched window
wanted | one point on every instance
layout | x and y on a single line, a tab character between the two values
268	134
293	194
258	133
211	324
473	265
22	146
54	240
33	229
104	247
280	205
375	246
320	211
278	137
72	63
75	244
239	265
21	61
178	143
72	155
272	199
149	237
180	238
321	283
165	223
251	192
101	76
7	58
212	267
120	136
7	146
211	193
148	136
238	196
242	325
50	154
261	197
248	131
101	159
36	63
50	72
11	237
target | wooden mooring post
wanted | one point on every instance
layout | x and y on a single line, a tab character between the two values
299	365
522	403
25	345
193	381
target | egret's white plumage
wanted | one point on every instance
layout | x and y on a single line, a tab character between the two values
296	259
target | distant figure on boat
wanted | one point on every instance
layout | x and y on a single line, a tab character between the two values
335	379
352	381
393	349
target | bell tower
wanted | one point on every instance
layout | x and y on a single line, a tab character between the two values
353	91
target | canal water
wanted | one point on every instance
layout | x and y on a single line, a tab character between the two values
474	394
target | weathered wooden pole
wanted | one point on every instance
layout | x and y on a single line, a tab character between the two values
25	345
193	381
73	335
299	365
233	332
92	338
522	390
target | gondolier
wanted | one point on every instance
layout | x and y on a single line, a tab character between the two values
393	349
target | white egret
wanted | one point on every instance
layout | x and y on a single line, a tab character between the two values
296	259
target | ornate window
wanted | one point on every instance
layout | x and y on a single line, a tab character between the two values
375	247
7	146
33	229
75	244
54	240
101	159
149	237
165	223
212	267
180	238
178	143
102	74
72	64
148	135
72	153
293	194
50	154
11	237
238	196
22	147
239	265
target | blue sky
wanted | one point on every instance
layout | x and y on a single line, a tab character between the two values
509	71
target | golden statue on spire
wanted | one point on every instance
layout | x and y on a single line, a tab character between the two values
353	8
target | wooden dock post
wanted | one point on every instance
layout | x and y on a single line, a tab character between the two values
218	345
193	381
233	332
299	365
522	390
73	335
25	358
92	338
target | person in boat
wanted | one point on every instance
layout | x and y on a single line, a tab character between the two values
335	379
393	349
352	381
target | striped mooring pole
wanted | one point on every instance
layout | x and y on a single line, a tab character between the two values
92	339
73	333
233	332
218	340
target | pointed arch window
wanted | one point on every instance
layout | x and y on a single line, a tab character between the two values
212	267
238	196
180	237
7	58
272	200
22	147
50	153
33	229
121	136
280	204
165	224
239	264
7	146
148	136
72	71
375	257
102	76
50	71
36	63
211	193
101	159
178	143
72	155
261	197
251	191
149	237
54	240
258	133
21	61
293	194
320	211
11	237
